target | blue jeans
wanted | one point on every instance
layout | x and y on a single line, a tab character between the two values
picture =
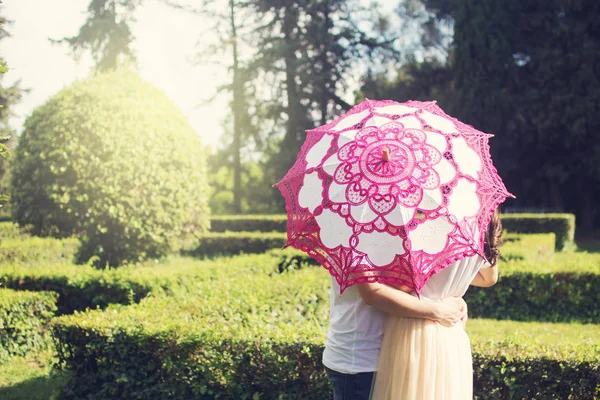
350	386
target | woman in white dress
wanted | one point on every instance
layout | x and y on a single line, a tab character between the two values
421	359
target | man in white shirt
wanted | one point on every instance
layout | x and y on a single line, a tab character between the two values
356	328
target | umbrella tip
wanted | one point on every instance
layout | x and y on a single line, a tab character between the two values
386	154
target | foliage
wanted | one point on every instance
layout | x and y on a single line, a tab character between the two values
236	242
82	287
106	34
252	336
34	250
9	96
535	283
112	160
527	296
254	198
563	226
24	319
425	80
519	76
248	223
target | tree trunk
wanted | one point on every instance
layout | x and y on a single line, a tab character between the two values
326	66
237	110
293	135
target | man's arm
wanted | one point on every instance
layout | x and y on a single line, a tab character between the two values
396	302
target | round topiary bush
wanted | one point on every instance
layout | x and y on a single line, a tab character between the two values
112	160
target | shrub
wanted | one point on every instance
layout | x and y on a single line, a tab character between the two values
535	283
77	287
24	319
248	223
538	247
262	337
563	226
554	297
236	243
112	160
38	250
81	287
10	230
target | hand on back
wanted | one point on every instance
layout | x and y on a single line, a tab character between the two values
450	311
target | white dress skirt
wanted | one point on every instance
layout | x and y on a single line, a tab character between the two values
423	360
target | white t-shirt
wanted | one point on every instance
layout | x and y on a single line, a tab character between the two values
356	329
355	332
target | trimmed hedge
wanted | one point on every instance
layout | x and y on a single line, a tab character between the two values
35	250
78	286
81	286
562	225
538	247
249	337
559	297
231	243
535	283
10	230
24	320
248	223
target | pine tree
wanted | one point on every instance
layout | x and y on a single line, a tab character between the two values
106	34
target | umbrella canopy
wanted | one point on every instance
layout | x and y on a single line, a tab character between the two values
391	192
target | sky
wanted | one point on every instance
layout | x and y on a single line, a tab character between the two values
166	42
164	52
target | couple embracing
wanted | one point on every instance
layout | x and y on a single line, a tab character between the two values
399	202
386	344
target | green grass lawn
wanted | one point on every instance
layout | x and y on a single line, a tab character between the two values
30	378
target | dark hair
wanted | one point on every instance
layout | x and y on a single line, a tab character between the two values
493	238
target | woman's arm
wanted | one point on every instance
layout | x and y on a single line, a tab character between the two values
396	302
486	277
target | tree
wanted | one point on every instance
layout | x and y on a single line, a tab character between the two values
305	50
425	80
525	71
106	33
112	160
9	96
530	75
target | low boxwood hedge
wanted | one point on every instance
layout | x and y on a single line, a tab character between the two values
24	319
535	283
539	247
539	297
562	225
82	286
78	286
35	250
260	337
248	223
11	230
231	243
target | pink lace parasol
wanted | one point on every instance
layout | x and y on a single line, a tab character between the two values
391	192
